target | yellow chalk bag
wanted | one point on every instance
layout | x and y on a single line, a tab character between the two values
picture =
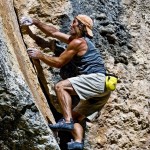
111	82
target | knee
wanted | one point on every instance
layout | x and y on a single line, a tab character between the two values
58	86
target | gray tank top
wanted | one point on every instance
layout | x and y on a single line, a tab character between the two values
91	61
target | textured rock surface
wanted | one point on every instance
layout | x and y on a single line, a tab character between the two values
22	125
124	122
122	33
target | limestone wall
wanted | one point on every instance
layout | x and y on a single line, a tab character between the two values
122	34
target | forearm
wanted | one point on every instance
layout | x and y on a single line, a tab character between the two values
51	61
48	30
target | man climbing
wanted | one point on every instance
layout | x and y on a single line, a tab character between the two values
89	84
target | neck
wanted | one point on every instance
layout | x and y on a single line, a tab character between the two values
72	37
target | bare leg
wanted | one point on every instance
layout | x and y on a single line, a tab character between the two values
78	132
64	90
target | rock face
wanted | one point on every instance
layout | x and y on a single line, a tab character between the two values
122	34
22	123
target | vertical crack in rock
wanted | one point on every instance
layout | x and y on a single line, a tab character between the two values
23	107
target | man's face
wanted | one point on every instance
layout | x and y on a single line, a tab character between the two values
74	29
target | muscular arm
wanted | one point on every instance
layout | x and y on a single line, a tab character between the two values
51	31
60	61
73	48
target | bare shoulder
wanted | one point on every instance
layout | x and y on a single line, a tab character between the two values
77	43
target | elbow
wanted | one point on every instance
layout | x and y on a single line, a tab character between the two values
54	33
59	65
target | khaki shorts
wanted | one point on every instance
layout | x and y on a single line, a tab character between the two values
91	91
92	105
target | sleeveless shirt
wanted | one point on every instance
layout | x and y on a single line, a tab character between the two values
91	61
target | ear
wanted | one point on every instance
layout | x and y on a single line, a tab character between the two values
80	26
84	29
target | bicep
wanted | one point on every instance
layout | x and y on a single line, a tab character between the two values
61	36
73	48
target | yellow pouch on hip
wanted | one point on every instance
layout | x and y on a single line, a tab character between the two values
111	82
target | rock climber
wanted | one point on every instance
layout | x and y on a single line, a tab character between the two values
89	84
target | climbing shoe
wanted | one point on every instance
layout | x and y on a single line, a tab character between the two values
75	145
61	125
